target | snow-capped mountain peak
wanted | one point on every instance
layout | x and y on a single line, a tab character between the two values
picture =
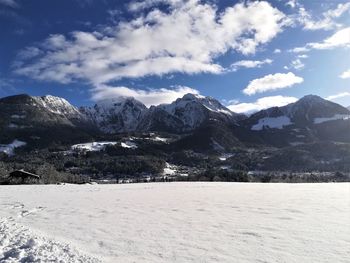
57	105
301	122
119	114
193	110
24	111
310	107
117	102
208	102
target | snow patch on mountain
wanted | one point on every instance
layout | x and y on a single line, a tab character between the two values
193	109
170	169
92	146
159	139
10	148
334	118
129	145
121	114
57	105
225	156
272	123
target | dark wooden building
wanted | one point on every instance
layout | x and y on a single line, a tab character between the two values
23	177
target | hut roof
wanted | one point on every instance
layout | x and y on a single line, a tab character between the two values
22	173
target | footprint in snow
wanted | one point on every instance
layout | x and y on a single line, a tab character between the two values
25	213
16	205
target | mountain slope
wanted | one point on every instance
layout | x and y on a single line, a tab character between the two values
204	122
116	115
309	119
22	111
187	114
44	118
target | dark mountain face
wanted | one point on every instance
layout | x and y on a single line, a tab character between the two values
212	136
307	111
309	119
40	118
157	119
23	111
116	115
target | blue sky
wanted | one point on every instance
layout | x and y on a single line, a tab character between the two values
248	54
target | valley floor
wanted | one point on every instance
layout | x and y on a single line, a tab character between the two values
176	222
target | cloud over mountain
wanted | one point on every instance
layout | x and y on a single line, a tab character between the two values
185	38
261	104
148	97
272	82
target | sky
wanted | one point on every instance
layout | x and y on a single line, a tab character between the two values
250	55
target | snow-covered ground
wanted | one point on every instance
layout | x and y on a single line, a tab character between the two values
272	122
129	144
170	169
92	146
334	118
176	222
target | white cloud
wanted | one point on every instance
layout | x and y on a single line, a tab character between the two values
261	104
277	51
272	82
185	38
147	97
339	11
292	3
303	56
10	3
230	102
345	75
340	39
338	96
137	6
299	50
250	64
327	20
297	64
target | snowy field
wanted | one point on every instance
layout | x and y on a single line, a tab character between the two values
175	222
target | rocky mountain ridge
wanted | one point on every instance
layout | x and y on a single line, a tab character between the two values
204	119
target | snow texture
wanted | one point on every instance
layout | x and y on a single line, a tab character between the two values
225	156
177	222
334	118
10	148
19	244
170	169
272	123
160	139
92	146
58	105
129	144
191	109
117	114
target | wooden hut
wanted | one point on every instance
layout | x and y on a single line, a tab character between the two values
23	177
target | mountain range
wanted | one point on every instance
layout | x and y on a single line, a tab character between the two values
201	121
